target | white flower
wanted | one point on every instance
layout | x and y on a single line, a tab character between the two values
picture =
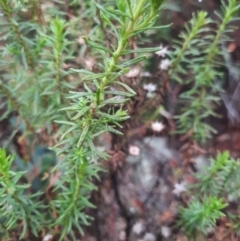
162	52
80	40
210	229
157	126
231	198
122	236
134	72
150	87
138	228
149	237
89	62
134	150
179	188
165	231
145	74
47	237
164	64
200	1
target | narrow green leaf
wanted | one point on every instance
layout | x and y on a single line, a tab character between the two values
133	61
83	135
111	129
81	113
126	87
121	93
97	46
142	50
71	129
113	100
90	75
65	123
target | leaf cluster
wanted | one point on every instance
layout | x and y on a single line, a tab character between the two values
97	109
196	64
201	215
17	209
217	188
32	58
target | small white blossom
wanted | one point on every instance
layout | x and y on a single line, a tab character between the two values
24	10
122	236
179	188
210	229
132	210
47	237
80	40
231	198
134	150
157	126
200	1
145	74
162	52
134	72
150	87
89	62
164	64
165	231
149	237
138	228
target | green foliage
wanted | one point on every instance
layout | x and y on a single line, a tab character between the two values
197	56
15	206
43	83
201	215
52	59
220	178
98	109
39	72
32	64
217	188
72	201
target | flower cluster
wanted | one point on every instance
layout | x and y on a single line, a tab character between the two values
165	63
